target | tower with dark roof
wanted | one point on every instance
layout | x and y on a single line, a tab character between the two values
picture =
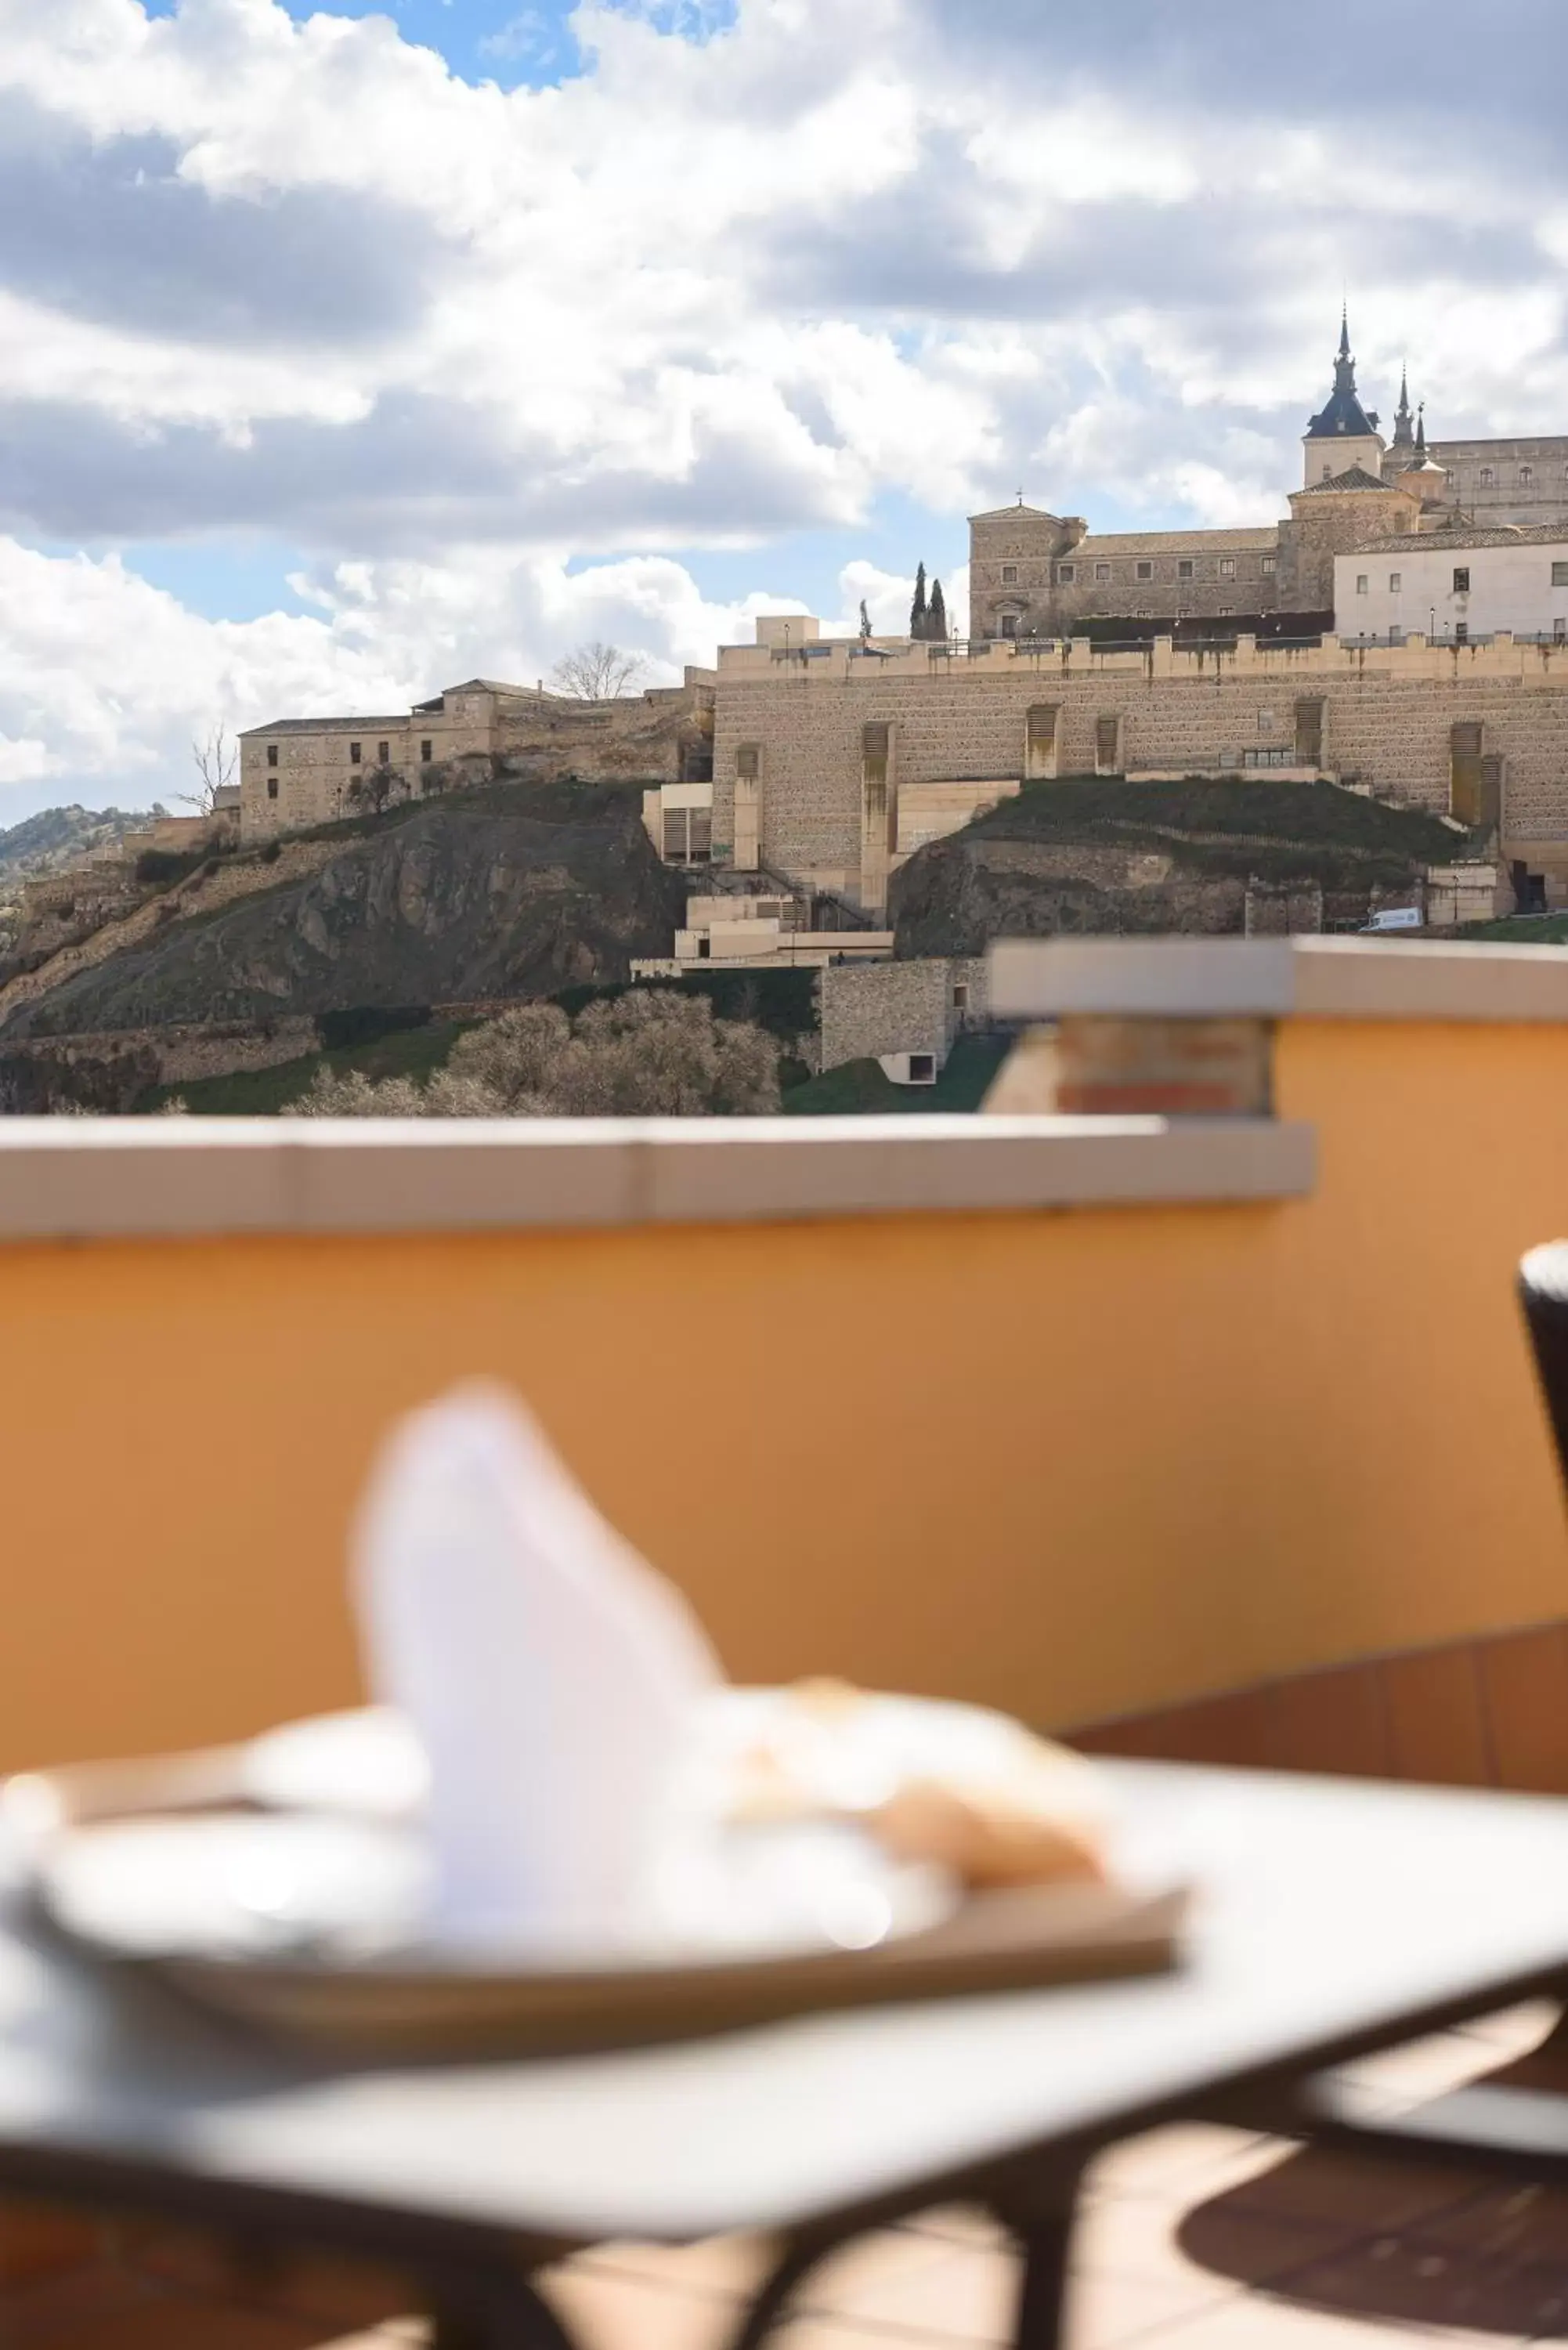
1343	435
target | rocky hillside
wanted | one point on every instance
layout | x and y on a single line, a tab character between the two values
1100	856
44	843
515	891
59	835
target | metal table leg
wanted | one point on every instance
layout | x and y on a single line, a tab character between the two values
1039	2215
1043	2291
502	2313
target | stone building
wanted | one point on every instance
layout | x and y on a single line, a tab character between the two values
908	1015
299	772
816	764
1039	575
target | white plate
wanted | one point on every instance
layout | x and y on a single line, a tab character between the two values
240	1886
369	1764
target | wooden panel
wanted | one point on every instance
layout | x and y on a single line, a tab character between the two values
1437	1723
1524	1680
1334	1722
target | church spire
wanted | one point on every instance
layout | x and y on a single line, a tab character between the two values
1404	438
1344	417
1421	432
1345	366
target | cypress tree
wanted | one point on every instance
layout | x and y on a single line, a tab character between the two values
937	617
917	609
865	623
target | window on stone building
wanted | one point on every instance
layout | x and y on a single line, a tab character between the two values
1270	563
1066	573
1461	578
354	754
271	755
1102	570
748	762
427	750
1560	575
1396	583
1487	478
1009	574
1184	568
1526	476
1040	742
960	995
1107	745
272	787
1363	584
1309	734
1145	571
1226	566
384	753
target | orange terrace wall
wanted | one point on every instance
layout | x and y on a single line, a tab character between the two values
1079	1460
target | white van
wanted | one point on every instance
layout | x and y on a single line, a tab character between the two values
1394	918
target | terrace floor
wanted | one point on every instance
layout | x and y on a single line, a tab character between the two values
1195	2237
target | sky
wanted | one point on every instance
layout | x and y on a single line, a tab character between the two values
351	347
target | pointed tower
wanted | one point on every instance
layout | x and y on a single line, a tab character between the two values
1404	422
1344	438
1422	476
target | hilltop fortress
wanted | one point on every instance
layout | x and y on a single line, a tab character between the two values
1405	633
1038	574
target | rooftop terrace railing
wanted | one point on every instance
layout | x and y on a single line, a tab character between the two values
1080	1417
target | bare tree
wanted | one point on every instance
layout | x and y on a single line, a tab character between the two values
374	786
655	1053
217	763
599	672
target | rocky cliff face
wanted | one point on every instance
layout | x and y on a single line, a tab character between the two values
1129	859
508	892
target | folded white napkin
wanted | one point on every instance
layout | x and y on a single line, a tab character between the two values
551	1676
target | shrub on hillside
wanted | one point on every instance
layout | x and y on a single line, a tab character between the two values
157	867
652	1054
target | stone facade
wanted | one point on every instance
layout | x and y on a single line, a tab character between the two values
301	771
1492	482
885	1011
1033	574
1479	732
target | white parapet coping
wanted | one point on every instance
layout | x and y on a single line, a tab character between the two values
1278	979
108	1179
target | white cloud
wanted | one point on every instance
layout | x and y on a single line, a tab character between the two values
759	265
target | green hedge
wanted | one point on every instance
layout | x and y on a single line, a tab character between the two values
365	1024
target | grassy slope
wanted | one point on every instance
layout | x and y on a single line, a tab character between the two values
1519	931
262	1093
1247	808
860	1090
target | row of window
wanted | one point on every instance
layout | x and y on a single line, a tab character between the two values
1487	477
1461	579
1186	568
356	754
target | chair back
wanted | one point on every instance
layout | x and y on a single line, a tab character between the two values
1543	1290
